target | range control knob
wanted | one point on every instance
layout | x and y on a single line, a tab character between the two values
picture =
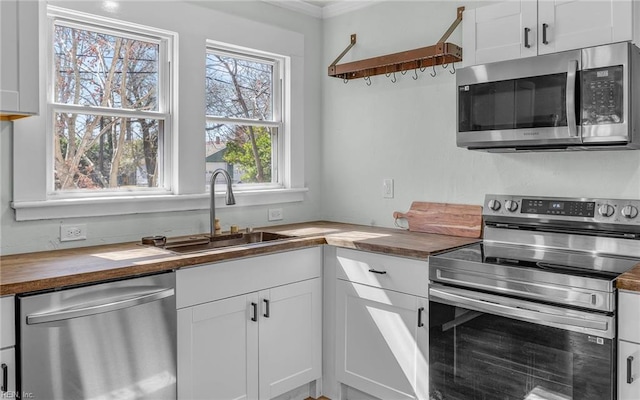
606	210
511	205
629	211
494	205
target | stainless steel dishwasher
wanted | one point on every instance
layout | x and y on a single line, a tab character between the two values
114	340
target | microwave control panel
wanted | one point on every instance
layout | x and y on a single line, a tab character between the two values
602	95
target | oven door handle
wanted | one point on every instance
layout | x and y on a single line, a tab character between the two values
518	310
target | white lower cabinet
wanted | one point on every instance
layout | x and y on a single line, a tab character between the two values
628	345
256	345
382	339
628	370
7	348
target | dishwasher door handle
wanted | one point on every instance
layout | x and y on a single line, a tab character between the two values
118	304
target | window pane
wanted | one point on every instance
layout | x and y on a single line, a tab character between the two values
99	152
97	69
234	148
239	88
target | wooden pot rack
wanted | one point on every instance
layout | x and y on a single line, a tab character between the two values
430	56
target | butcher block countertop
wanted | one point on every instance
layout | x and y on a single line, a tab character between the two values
29	272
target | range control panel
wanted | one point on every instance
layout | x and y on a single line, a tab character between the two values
558	207
617	211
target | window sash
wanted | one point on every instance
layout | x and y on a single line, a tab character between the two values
277	100
79	20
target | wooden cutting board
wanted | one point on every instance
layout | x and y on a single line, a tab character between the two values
444	218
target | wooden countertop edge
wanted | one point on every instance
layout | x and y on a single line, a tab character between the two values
630	280
380	240
168	263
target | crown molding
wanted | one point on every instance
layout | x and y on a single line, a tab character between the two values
327	11
344	7
298	6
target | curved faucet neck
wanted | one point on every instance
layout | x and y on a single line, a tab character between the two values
229	198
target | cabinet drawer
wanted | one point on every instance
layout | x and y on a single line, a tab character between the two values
386	272
7	322
211	282
628	321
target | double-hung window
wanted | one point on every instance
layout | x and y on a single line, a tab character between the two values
108	107
244	117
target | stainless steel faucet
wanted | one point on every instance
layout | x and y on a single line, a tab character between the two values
229	199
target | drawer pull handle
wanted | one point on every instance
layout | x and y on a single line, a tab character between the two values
5	378
420	323
526	38
375	271
254	318
266	308
629	373
544	33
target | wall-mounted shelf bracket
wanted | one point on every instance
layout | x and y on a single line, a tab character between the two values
438	54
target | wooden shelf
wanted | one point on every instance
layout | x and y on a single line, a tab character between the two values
430	56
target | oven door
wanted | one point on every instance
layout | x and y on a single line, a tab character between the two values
484	347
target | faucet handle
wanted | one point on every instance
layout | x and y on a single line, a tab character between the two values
249	229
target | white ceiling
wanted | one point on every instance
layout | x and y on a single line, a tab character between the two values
322	8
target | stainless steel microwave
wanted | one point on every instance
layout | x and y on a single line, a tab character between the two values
575	100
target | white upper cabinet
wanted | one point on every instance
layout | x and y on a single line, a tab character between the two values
497	32
19	59
525	28
570	25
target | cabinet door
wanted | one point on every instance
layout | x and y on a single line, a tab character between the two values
19	43
500	32
381	350
290	337
628	367
217	350
573	24
8	371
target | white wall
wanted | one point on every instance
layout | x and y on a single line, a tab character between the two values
20	237
406	131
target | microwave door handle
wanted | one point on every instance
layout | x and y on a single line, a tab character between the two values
572	72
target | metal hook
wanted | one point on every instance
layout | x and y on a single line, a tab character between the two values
367	80
422	69
415	72
345	80
434	71
444	66
394	79
403	72
453	66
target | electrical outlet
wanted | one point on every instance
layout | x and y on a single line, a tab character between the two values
73	232
387	188
275	214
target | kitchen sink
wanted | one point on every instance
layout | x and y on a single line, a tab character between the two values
204	243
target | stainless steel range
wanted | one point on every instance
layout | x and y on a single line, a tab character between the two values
530	312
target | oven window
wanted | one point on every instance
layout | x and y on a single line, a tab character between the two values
479	356
534	102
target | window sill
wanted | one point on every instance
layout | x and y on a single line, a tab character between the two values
104	206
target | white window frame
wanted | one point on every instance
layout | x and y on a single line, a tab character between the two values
280	76
67	18
30	194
